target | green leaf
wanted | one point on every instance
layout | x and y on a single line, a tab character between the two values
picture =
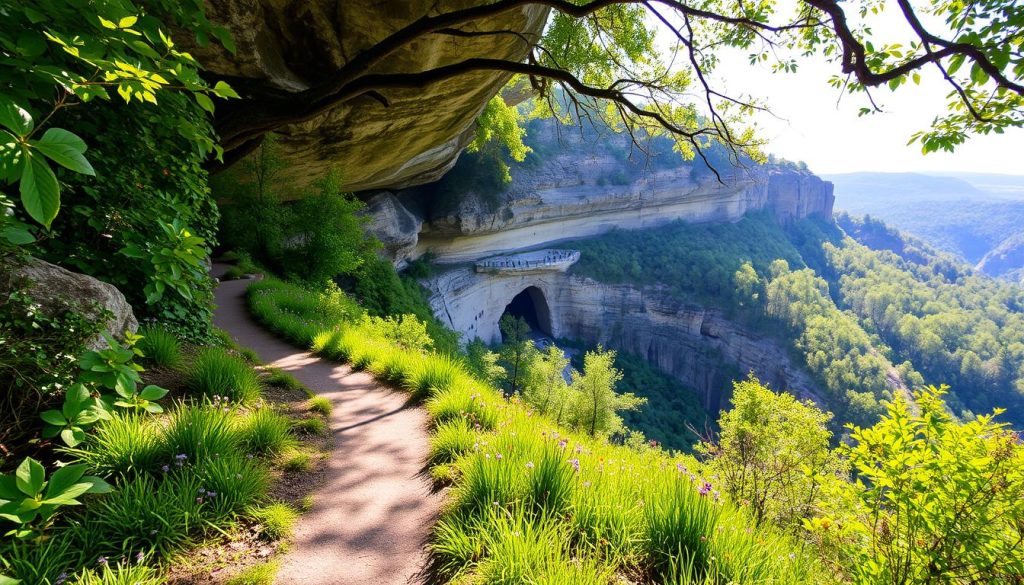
31	44
65	149
98	485
154	408
30	477
224	90
72	436
152	392
9	488
76	396
14	117
5	580
54	418
40	193
204	101
64	478
127	21
17	235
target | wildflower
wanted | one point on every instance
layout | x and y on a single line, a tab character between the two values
199	500
681	468
61	578
249	456
211	494
579	448
575	464
102	561
562	444
529	464
705	489
586	484
497	456
792	556
139	556
165	468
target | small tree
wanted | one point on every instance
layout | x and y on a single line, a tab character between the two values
516	348
935	501
484	362
596	405
772	453
544	385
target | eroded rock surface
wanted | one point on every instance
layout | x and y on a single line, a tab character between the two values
58	291
292	44
395	226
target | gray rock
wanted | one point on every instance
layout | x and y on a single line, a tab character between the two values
58	291
395	226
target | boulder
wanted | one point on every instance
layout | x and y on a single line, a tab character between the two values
58	291
394	225
290	45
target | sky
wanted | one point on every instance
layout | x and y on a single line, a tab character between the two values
813	122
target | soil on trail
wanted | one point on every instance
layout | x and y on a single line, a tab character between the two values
374	510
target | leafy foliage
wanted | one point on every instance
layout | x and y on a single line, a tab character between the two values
31	501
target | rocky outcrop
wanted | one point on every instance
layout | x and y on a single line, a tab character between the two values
687	341
289	45
58	291
1006	259
393	225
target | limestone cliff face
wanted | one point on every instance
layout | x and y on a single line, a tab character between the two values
687	341
289	45
568	197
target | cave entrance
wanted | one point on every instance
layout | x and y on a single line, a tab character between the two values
532	307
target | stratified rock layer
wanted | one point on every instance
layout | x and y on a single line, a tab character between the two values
293	44
684	340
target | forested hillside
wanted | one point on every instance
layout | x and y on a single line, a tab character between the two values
869	321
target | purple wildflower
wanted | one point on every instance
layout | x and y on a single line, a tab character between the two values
705	489
165	468
529	464
562	444
211	494
139	556
497	456
575	464
102	561
61	578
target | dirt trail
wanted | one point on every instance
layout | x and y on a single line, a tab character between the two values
372	515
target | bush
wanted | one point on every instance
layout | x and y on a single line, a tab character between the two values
217	373
277	520
266	432
159	346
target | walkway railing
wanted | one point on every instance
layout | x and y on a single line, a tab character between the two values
539	260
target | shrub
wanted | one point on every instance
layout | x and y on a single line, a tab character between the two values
277	520
311	426
266	432
160	346
126	444
321	405
199	432
218	373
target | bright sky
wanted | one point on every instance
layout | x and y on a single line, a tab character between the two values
830	136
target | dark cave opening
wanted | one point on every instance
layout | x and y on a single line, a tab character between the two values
531	306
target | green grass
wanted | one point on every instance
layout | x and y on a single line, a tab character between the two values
533	502
311	426
159	346
263	574
297	461
266	432
232	485
122	573
306	504
126	444
277	520
282	379
217	373
196	433
321	405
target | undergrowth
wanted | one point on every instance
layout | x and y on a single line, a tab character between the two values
532	502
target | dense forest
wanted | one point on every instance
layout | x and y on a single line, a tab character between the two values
867	320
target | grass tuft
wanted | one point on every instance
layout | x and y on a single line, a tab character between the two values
199	432
263	574
160	347
311	426
217	373
297	461
321	405
266	432
277	520
126	444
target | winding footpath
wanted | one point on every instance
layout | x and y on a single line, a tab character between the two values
372	515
